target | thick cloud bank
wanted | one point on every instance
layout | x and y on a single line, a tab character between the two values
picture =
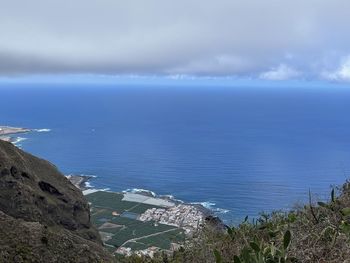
269	39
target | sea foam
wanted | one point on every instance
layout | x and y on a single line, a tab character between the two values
42	130
17	141
212	207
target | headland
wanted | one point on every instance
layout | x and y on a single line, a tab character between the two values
7	130
7	133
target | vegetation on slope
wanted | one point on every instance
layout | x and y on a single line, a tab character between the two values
43	217
314	233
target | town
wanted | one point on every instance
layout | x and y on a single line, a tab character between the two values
188	217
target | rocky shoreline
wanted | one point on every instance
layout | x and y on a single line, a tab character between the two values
80	181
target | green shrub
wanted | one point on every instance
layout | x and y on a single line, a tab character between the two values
314	233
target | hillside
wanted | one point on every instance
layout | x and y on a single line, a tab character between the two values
43	217
316	232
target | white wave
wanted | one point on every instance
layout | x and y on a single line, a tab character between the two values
211	206
89	175
18	140
88	185
172	198
207	205
221	211
42	130
139	191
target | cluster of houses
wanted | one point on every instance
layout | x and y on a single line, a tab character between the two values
188	217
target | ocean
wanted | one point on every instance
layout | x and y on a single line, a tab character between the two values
239	151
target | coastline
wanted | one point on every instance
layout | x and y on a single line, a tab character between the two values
7	132
134	209
82	183
10	134
140	195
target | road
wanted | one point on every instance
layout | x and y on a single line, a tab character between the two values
151	235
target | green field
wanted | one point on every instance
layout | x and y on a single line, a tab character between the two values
136	230
130	232
114	201
163	240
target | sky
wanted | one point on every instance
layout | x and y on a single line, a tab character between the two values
269	40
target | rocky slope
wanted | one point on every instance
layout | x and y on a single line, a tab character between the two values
43	217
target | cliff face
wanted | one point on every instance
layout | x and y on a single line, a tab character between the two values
38	203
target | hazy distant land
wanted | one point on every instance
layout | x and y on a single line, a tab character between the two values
6	132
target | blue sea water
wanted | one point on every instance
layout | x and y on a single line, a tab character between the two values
242	150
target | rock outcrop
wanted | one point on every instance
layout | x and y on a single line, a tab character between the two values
43	217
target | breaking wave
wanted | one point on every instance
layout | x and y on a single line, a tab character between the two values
87	183
212	207
42	130
17	141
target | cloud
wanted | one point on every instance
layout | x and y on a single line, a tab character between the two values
184	37
218	66
282	72
342	73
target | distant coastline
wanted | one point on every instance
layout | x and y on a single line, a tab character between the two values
82	182
7	132
10	134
